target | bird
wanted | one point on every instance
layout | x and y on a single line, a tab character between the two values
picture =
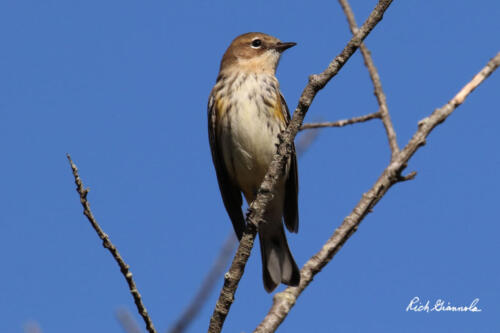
246	112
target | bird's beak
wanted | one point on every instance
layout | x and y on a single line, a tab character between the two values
280	46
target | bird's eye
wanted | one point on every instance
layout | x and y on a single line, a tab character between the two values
256	43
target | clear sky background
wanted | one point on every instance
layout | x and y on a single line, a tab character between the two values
123	85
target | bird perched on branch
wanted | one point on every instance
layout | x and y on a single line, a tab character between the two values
246	112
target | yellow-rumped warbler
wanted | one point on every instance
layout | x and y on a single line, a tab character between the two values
246	112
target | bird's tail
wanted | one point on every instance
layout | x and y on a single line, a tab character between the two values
278	265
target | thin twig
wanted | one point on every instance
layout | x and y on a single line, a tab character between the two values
377	85
305	141
343	122
32	327
284	301
207	286
284	150
106	242
127	322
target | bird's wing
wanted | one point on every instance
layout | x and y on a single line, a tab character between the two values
231	195
291	209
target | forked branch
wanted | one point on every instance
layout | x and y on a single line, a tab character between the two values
377	84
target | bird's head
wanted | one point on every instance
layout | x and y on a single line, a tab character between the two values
254	52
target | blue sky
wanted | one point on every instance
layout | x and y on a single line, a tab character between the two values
123	85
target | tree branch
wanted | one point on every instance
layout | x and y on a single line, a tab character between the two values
265	193
343	122
127	322
284	301
106	242
377	84
32	327
305	141
207	286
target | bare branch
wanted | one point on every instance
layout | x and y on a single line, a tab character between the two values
127	322
343	122
284	301
377	85
409	176
305	141
32	327
265	193
207	286
106	242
